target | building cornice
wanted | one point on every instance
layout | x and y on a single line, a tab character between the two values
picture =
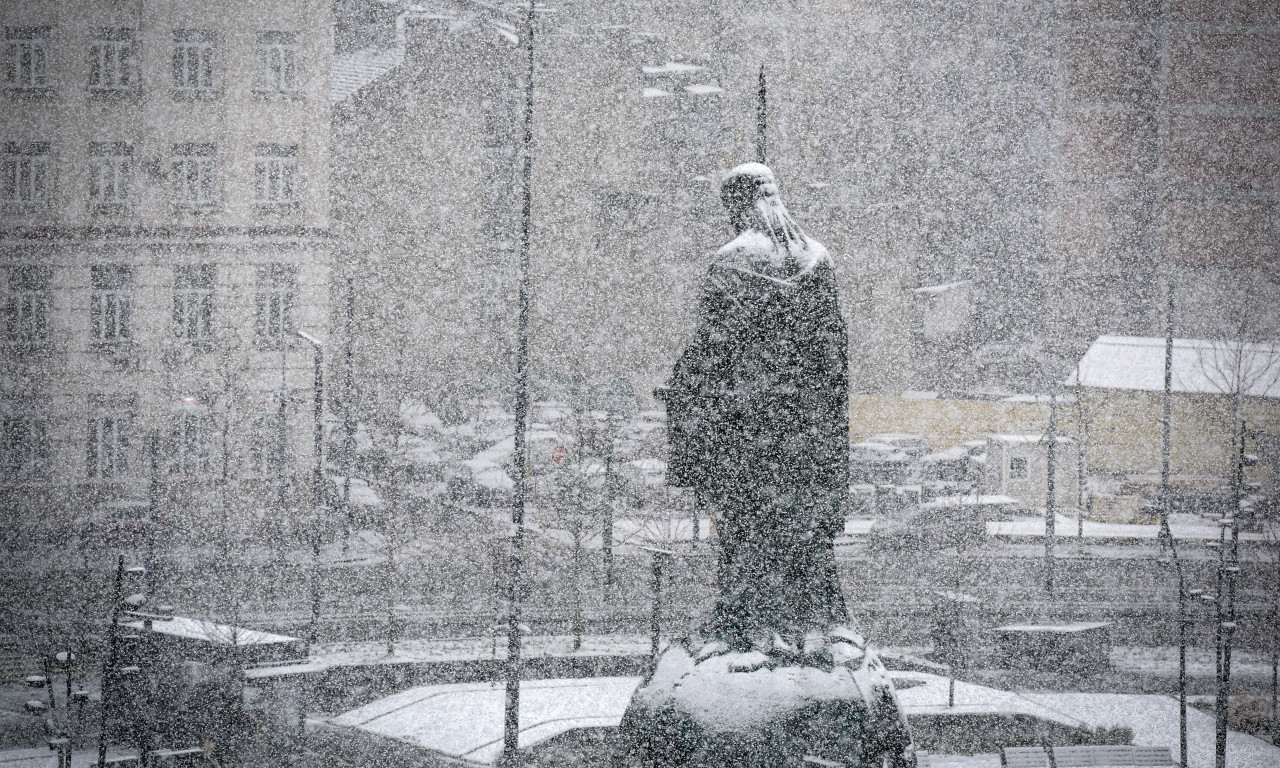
28	235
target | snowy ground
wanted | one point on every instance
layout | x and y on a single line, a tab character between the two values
1192	529
42	757
465	720
457	649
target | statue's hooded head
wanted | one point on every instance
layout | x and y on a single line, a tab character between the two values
750	194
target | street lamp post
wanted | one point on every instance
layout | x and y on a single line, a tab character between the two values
317	478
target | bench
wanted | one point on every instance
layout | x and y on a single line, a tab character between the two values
1112	756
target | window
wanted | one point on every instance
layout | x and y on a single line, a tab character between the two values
111	303
26	58
194	176
277	63
275	173
1017	469
26	306
193	63
266	451
273	302
193	301
24	447
109	437
192	441
25	168
111	61
110	176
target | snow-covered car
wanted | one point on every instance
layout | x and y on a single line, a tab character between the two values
913	446
877	463
957	464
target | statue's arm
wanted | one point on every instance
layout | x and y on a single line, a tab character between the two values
695	395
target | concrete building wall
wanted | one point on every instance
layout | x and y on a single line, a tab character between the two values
1170	152
1124	433
65	243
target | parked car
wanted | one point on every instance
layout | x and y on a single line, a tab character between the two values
957	464
878	464
912	445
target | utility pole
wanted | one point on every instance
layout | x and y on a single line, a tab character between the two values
1230	566
1050	505
113	648
762	116
1166	532
317	483
153	510
282	444
511	714
348	418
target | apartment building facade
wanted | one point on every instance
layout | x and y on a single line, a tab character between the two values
163	235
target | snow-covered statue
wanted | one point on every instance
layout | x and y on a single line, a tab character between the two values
757	414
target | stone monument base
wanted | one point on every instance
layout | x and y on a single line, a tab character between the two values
827	703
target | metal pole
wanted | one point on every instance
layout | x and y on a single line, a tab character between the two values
282	477
511	719
113	644
153	510
1166	508
317	494
1220	700
348	420
761	118
655	621
1050	507
1233	567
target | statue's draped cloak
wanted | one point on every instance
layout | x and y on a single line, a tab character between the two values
758	427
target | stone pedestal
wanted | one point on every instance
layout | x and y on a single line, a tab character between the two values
828	703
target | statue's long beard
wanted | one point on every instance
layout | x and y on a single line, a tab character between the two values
770	216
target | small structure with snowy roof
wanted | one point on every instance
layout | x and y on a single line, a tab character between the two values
1018	466
1120	382
201	640
1199	366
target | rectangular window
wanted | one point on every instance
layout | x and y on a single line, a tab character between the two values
193	63
25	170
110	176
112	61
192	442
1017	469
24	447
111	303
26	58
277	55
194	176
193	301
273	302
266	443
110	436
275	174
26	305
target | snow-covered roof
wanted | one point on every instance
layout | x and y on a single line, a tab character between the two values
705	89
673	68
1025	438
220	634
353	71
1199	366
972	500
933	290
655	93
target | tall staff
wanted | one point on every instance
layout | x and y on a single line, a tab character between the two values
511	721
762	115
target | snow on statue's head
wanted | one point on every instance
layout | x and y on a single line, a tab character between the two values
750	195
